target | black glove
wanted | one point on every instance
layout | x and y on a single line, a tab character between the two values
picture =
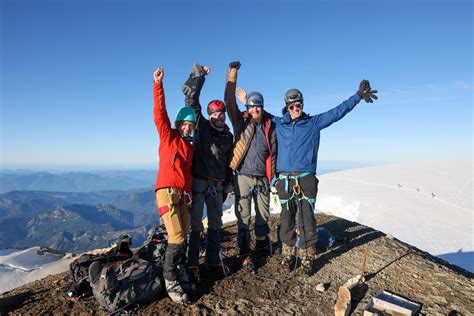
198	71
189	88
366	92
235	64
194	82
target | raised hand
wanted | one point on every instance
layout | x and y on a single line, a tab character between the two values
207	70
241	95
158	74
366	92
198	70
235	64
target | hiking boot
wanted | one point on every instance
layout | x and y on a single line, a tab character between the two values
184	280
193	274
247	264
288	254
263	246
243	242
308	257
176	292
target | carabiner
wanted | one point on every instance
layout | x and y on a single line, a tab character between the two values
297	190
188	200
211	190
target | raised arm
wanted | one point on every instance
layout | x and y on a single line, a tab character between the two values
160	115
229	96
365	92
192	89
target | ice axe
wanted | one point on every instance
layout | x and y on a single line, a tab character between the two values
364	260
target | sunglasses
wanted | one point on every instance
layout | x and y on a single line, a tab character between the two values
291	107
255	101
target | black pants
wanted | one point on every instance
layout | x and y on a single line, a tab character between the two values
305	222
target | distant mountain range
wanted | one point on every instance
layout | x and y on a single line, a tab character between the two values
18	204
76	181
74	221
75	227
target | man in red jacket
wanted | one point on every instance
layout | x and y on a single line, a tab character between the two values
173	187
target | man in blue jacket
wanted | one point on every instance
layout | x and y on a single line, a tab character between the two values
298	137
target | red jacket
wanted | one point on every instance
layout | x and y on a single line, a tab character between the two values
176	154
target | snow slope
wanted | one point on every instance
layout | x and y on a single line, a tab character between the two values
426	204
24	266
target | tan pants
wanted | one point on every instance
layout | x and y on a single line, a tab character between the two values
177	219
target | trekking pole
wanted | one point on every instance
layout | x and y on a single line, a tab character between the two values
364	260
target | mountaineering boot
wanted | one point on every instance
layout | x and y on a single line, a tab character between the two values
193	274
194	249
243	241
214	260
173	256
182	274
263	246
288	254
213	246
176	292
308	257
247	263
185	281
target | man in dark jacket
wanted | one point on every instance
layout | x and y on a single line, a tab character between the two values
298	137
254	161
211	173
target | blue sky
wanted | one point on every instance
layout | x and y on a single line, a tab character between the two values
76	76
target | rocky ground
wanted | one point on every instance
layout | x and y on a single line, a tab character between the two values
391	265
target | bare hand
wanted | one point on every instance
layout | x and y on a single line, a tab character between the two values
241	95
207	70
158	74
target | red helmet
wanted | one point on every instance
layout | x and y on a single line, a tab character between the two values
215	106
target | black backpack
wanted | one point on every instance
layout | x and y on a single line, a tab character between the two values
79	269
135	281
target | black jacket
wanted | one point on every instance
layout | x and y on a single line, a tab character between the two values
212	148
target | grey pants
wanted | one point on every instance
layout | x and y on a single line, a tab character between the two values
203	193
209	192
249	188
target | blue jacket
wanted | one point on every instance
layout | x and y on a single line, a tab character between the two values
298	142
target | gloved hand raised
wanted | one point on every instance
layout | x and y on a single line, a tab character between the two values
235	64
190	87
198	70
366	92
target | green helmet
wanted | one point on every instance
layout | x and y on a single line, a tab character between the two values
293	95
185	114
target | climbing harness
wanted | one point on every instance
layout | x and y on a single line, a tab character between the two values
297	192
186	199
298	195
255	190
211	189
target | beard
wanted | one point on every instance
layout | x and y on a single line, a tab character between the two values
217	124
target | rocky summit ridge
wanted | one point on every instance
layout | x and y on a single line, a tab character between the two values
391	265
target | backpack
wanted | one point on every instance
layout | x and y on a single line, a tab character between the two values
79	269
325	238
133	281
154	247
